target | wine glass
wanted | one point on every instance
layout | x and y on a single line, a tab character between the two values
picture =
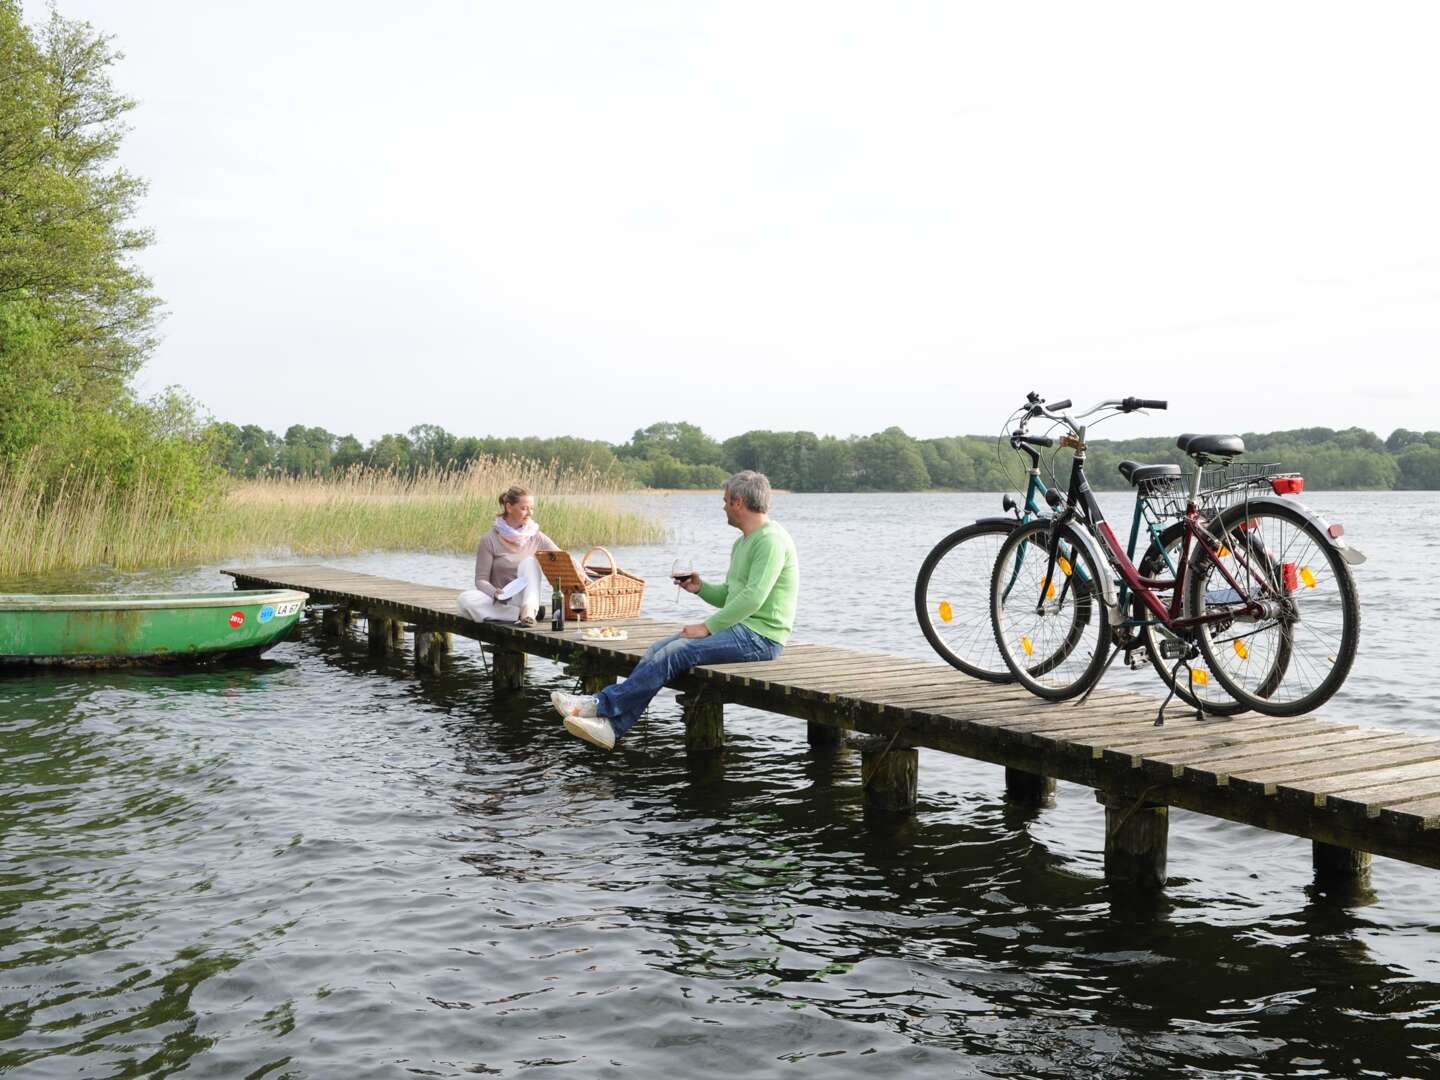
680	568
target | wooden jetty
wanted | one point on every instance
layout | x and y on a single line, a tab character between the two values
1351	790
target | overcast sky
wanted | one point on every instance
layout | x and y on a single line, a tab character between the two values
581	218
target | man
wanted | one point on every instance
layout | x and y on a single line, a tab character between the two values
757	612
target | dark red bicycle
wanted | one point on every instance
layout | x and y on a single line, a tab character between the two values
1261	597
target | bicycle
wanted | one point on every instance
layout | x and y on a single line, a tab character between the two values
953	583
1261	590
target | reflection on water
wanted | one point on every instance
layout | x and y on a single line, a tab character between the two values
321	865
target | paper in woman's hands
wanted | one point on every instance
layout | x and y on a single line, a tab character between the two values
515	588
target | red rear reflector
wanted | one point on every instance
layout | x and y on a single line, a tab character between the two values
1288	485
1336	531
1292	578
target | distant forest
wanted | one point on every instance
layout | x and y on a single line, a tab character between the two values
680	455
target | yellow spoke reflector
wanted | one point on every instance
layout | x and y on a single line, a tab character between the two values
1308	576
1223	552
946	611
1026	644
1050	591
1240	650
1199	676
1064	565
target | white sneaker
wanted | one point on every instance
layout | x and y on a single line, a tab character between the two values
572	704
595	730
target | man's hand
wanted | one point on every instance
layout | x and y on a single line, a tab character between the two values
695	630
690	584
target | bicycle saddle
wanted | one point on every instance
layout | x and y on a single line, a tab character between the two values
1211	446
1137	474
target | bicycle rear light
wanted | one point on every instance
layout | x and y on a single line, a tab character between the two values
1288	485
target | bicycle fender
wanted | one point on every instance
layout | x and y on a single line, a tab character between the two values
1352	555
996	521
1109	596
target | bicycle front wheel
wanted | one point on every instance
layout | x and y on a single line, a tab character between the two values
952	598
1052	628
1286	640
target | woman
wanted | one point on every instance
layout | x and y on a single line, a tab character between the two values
507	577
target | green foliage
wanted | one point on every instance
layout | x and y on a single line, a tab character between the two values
77	317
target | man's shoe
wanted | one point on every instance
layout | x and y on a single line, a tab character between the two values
595	730
541	613
573	704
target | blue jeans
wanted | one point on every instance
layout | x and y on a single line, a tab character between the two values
624	702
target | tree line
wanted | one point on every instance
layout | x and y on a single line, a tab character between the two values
681	455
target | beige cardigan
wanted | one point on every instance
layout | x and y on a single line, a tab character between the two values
497	563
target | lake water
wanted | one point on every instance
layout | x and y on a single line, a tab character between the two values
321	866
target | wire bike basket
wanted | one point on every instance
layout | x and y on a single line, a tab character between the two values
1220	487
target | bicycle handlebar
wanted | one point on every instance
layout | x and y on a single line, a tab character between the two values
1034	440
1130	404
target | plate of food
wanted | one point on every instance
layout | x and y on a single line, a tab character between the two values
604	633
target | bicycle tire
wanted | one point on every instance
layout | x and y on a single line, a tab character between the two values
1196	690
952	602
1015	597
1317	620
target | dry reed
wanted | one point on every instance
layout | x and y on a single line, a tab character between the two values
85	521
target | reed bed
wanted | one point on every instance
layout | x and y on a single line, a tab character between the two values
85	521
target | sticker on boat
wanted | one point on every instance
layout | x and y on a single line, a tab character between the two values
266	613
237	618
290	607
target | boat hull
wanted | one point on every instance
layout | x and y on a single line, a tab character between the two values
105	630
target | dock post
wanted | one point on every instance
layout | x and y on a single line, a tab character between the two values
1339	866
1028	788
704	721
334	621
593	682
823	736
430	647
890	773
508	666
382	633
1137	835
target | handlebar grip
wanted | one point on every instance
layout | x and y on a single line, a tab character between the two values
1058	406
1130	404
1035	440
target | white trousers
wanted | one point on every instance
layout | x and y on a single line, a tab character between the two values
475	604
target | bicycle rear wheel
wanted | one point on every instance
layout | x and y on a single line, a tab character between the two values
952	598
1193	685
1053	635
1291	656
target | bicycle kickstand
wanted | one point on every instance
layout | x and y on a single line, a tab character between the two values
1185	659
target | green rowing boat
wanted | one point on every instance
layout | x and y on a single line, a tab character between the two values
99	630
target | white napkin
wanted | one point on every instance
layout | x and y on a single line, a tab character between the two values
515	588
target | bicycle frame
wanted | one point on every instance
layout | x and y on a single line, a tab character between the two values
1195	540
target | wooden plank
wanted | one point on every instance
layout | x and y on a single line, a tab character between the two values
1269	778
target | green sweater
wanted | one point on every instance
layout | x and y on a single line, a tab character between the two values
760	587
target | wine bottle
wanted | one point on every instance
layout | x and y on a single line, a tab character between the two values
557	613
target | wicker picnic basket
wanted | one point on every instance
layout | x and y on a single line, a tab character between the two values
609	592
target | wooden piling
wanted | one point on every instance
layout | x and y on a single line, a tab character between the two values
1339	865
381	633
431	646
890	773
1137	834
704	722
507	668
1029	789
822	736
335	621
